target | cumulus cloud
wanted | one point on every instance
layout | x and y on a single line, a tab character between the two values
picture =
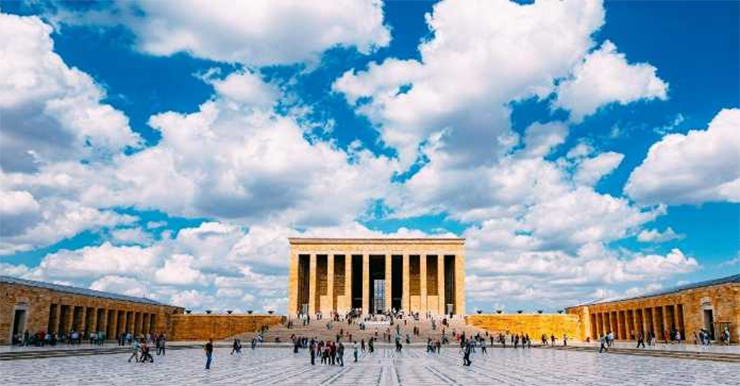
131	236
656	236
122	285
606	77
700	166
255	33
98	261
19	211
51	112
591	170
178	270
461	86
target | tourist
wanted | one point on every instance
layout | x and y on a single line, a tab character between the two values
312	351
483	347
565	339
162	340
340	354
236	348
726	336
145	352
362	344
209	353
640	340
135	353
604	344
354	348
466	353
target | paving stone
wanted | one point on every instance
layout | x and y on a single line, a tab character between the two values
279	366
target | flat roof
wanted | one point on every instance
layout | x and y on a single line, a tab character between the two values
77	290
734	279
376	240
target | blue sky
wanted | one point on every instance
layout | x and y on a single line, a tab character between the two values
170	156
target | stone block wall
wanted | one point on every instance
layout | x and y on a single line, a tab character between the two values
533	324
682	310
201	327
60	312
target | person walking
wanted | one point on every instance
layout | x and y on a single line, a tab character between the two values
604	345
354	349
135	353
640	340
312	351
466	354
209	353
340	354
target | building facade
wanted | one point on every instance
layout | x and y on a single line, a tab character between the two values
712	305
33	306
374	275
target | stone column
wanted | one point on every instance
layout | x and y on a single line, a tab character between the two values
312	285
423	283
388	281
70	320
293	285
635	324
405	296
122	322
460	284
83	320
666	322
93	321
58	312
330	281
347	281
365	283
620	325
656	330
441	283
103	321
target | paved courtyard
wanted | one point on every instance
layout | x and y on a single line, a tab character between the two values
269	366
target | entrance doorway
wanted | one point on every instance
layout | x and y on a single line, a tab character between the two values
378	296
709	323
19	323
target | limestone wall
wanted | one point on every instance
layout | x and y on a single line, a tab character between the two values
684	311
533	324
202	326
61	312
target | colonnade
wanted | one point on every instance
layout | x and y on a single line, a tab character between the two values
64	318
337	275
626	323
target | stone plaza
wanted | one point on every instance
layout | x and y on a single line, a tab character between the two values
279	366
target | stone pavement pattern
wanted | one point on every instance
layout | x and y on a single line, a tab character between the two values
269	366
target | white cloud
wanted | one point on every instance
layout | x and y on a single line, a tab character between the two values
606	77
248	88
193	299
255	175
131	236
591	170
656	236
700	166
98	261
18	211
122	285
51	112
178	270
255	33
672	263
461	86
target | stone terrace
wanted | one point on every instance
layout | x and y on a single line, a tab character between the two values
385	367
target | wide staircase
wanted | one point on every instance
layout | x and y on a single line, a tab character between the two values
325	329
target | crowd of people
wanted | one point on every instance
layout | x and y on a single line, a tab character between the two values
43	338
